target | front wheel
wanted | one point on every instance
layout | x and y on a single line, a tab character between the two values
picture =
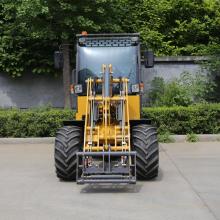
145	143
67	143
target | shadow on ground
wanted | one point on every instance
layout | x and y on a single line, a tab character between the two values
118	188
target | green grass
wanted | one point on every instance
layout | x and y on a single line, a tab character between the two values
192	138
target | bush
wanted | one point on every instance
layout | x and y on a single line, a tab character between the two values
187	90
198	119
174	95
165	138
192	137
157	90
32	123
195	119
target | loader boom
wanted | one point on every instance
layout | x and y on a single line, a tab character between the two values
107	133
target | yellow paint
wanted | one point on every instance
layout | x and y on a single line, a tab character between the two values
133	105
108	134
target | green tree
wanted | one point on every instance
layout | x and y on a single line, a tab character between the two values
174	27
33	29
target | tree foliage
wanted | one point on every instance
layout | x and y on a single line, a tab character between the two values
30	30
175	27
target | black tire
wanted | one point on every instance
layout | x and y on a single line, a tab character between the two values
145	143
67	143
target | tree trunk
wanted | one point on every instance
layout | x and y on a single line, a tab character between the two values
66	76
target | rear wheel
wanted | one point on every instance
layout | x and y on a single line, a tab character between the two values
67	143
145	143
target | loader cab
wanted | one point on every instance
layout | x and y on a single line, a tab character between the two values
122	51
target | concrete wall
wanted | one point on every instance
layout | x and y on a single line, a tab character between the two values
30	91
38	90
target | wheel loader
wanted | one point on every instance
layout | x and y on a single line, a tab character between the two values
108	142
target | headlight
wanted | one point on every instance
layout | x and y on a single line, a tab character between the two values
78	88
135	88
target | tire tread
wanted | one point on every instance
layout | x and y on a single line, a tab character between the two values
67	143
145	143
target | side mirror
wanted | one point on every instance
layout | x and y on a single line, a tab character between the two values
148	59
58	60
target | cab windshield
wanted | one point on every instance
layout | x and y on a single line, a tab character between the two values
123	59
